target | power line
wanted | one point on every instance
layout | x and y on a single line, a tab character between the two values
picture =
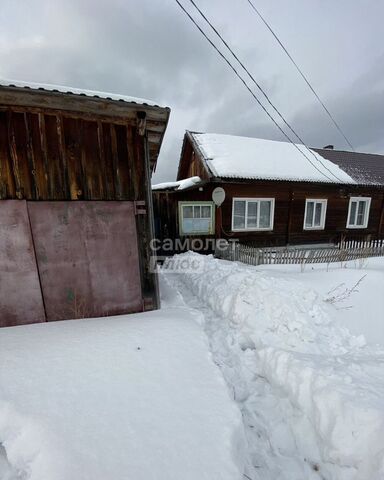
301	73
247	87
261	90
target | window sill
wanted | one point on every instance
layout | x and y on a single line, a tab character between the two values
354	227
313	228
238	230
194	234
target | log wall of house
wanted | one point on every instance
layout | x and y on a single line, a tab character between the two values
289	211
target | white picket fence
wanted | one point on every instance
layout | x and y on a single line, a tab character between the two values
342	252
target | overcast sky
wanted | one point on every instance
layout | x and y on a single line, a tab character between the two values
149	49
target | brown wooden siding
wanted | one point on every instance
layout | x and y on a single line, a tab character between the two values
46	156
191	164
289	211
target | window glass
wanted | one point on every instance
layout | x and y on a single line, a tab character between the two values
317	219
205	211
196	211
361	213
252	215
196	219
239	214
265	214
309	216
352	216
358	212
187	212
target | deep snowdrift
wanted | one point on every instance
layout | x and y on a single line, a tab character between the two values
130	397
357	289
311	394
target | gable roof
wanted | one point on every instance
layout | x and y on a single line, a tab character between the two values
229	156
95	104
45	87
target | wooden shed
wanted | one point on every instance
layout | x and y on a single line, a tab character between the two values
276	194
75	203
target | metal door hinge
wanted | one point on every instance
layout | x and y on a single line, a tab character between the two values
140	207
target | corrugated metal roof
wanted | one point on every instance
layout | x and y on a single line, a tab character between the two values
364	168
78	91
237	157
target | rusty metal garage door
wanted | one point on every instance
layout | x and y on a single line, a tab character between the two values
20	295
87	257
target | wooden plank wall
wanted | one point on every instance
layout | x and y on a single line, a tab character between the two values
51	156
289	212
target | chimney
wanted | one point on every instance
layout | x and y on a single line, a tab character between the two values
328	147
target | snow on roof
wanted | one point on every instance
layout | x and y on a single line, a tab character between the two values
231	156
76	91
179	185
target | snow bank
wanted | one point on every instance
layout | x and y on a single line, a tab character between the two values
361	311
312	394
179	185
133	397
232	156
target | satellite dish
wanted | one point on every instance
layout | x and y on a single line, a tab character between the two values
218	196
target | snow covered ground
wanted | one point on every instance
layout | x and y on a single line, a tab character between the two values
362	311
300	352
311	392
129	397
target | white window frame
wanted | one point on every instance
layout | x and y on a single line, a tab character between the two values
196	204
367	200
254	199
323	202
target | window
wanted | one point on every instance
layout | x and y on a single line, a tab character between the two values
358	212
314	216
252	213
196	218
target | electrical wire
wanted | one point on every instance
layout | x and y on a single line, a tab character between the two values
248	88
262	91
301	73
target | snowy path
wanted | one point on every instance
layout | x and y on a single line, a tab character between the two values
311	394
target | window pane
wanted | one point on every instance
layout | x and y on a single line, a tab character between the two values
187	212
205	211
201	225
318	209
309	216
361	213
196	211
252	215
352	215
265	214
239	214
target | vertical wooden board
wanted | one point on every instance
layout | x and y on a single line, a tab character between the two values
56	172
20	295
18	149
123	162
88	258
7	181
109	162
91	160
72	145
41	174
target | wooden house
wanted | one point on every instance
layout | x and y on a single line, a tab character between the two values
75	203
276	194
